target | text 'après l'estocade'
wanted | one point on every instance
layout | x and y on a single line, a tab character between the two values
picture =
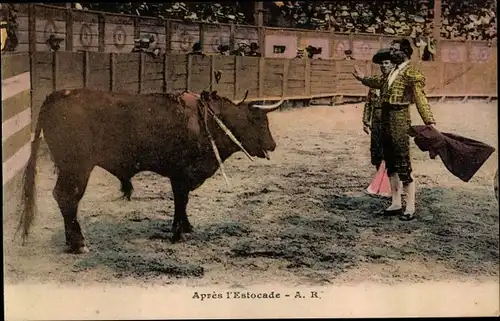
256	295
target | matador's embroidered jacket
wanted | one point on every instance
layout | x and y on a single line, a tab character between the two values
407	88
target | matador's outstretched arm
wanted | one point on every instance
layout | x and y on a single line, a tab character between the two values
417	82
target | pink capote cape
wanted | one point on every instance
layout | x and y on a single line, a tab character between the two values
380	184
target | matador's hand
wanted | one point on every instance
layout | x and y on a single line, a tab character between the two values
366	129
358	74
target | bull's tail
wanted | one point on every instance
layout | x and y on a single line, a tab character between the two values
29	188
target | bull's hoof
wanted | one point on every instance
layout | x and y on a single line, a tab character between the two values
125	198
77	250
176	234
187	228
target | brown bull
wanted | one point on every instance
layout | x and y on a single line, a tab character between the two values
129	133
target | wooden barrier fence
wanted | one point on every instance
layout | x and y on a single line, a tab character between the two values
264	78
107	32
16	121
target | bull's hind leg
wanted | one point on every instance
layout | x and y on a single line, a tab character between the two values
68	192
126	188
181	197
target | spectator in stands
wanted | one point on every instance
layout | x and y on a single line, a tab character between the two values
429	50
241	49
348	55
313	51
196	49
300	53
224	50
254	47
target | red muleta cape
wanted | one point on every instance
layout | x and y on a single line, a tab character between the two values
462	156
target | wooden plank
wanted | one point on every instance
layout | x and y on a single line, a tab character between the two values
199	60
183	37
295	73
237	76
157	31
127	58
178	84
48	26
154	76
15	142
15	104
307	80
123	49
153	67
324	73
249	62
117	19
70	70
112	71
226	89
118	35
286	67
14	64
246	33
98	60
127	72
152	86
296	84
82	16
141	71
100	79
86	69
86	35
165	72
262	72
276	69
130	87
200	78
189	68
453	80
69	30
41	38
55	71
32	27
101	30
214	36
23	37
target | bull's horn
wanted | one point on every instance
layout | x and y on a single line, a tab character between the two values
236	102
269	107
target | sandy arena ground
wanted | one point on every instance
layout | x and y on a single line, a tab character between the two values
301	218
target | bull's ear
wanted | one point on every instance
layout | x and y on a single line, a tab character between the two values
214	94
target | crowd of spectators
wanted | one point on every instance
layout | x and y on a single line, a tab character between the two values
461	20
211	12
469	20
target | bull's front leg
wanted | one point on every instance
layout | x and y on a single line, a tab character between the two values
181	197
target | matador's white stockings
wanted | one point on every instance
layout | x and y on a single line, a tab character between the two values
395	193
397	189
410	190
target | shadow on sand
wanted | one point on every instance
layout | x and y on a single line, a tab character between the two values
458	228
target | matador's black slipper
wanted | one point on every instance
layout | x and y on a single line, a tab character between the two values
407	217
391	212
